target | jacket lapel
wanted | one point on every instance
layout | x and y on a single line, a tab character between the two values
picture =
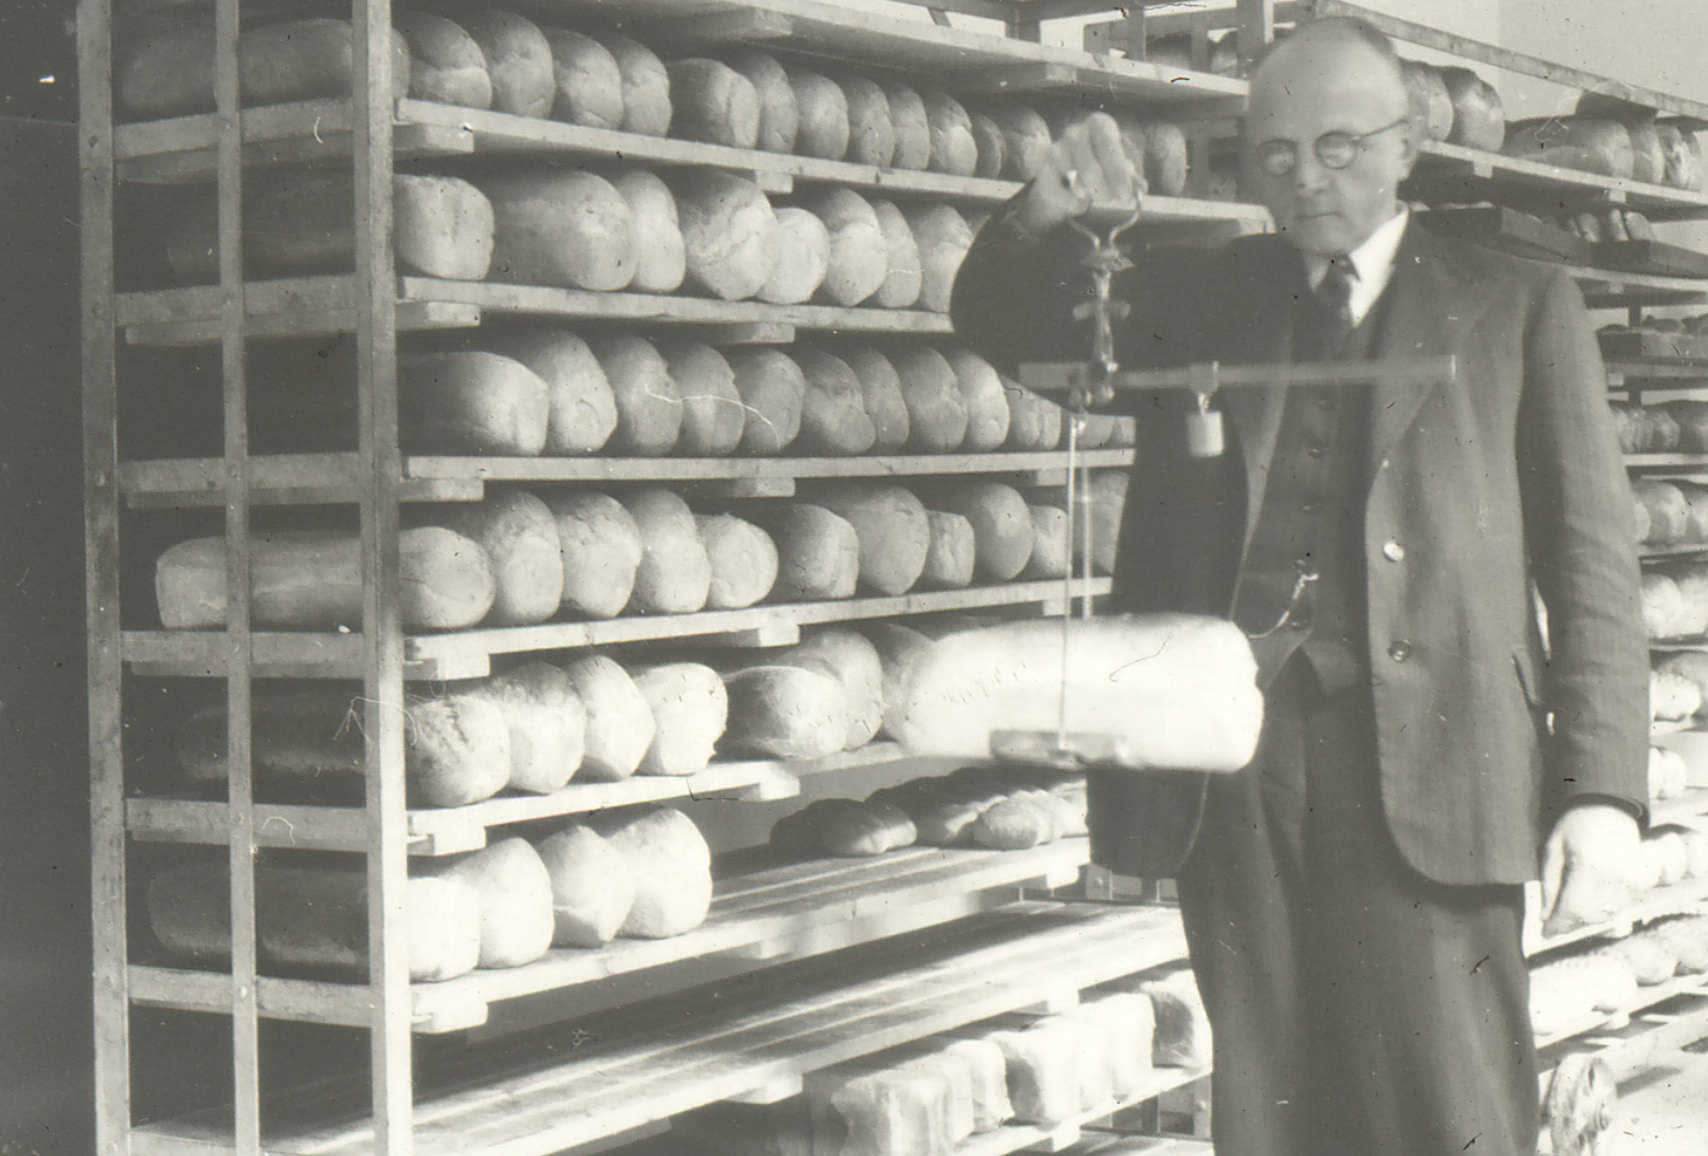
1267	339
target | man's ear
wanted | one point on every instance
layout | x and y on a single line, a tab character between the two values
1410	134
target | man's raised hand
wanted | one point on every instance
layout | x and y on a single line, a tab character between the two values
1085	165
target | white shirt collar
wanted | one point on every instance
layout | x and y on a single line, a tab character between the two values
1372	264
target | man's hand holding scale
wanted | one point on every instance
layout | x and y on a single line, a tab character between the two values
1085	165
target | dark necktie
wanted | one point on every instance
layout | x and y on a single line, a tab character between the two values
1334	298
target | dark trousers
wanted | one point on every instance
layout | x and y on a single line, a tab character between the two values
1357	1007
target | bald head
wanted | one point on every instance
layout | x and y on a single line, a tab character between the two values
1333	76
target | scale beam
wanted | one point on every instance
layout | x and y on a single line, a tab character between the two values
1207	378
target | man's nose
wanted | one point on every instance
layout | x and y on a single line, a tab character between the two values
1309	174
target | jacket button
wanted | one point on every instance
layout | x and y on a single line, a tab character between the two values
1393	551
1399	651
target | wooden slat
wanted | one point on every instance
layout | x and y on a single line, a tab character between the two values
1665	462
1646	998
276	479
345	1005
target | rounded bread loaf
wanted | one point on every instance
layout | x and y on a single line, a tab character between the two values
661	256
991	145
803	258
592	886
871	132
730	232
859	257
646	85
785	712
547	723
712	412
619	723
1431	104
690	709
517	531
1050	529
515	891
714	103
557	226
850	658
773	391
457	750
1025	134
518	61
818	553
987	400
672	869
581	408
953	149
674	575
822	106
892	528
649	405
912	126
446	63
744	561
779	115
900	650
881	393
949	562
833	417
1479	117
601	549
937	412
943	237
903	274
589	83
472	402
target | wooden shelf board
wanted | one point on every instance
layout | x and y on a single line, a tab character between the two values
468	654
1652	905
1605	288
1454	170
1656	368
545	1094
451	830
1666	461
276	479
1663	1026
1646	998
790	903
1663	553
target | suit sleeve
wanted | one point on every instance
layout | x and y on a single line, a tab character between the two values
1577	515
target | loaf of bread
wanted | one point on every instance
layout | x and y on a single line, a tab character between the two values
1050	543
912	127
991	146
1664	612
619	722
833	416
859	259
1002	525
949	562
1043	1071
822	129
987	400
1633	430
744	561
937	413
1182	1025
803	258
471	402
646	86
547	724
943	237
1431	104
871	132
894	533
844	828
713	416
900	649
943	812
818	554
1171	691
714	103
779	115
850	658
774	392
1672	696
589	83
1687	937
674	575
592	886
1131	1020
172	73
1691	417
516	531
1669	777
671	865
881	393
1015	823
441	227
515	891
953	149
690	709
903	277
1683	156
601	549
661	256
1688	664
1167	162
581	409
518	61
1592	144
558	226
785	712
649	404
446	64
312	580
1479	117
315	918
876	1106
1651	961
1025	134
730	232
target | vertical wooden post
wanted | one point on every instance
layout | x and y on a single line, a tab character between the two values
381	470
240	846
101	546
1256	29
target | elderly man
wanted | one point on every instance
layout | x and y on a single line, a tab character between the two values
1353	899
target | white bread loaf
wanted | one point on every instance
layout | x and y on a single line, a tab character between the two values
516	531
785	712
649	406
850	658
1182	1037
592	886
661	256
312	580
989	1070
1683	153
674	576
730	232
518	60
864	1109
822	130
833	418
515	892
1589	143
943	237
1025	419
744	561
991	146
581	407
446	64
903	275
546	721
949	562
172	73
1025	134
315	918
1043	1072
1050	546
1171	691
803	258
458	750
619	723
900	650
1108	495
1002	525
1167	162
1132	1027
881	393
936	409
671	866
987	400
779	115
472	402
844	829
894	533
559	226
953	149
1479	118
690	709
589	83
774	392
646	86
601	549
714	103
713	416
859	257
1431	105
818	554
871	132
912	126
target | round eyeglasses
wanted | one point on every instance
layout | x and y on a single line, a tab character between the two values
1334	150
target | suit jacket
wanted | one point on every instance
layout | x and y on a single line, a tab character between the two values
1484	492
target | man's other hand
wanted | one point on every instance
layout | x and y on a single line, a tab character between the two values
1086	164
1587	866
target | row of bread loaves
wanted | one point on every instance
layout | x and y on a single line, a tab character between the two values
1675	600
1606	980
642	872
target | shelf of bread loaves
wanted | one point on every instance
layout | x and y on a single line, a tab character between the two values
1599	983
646	1062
